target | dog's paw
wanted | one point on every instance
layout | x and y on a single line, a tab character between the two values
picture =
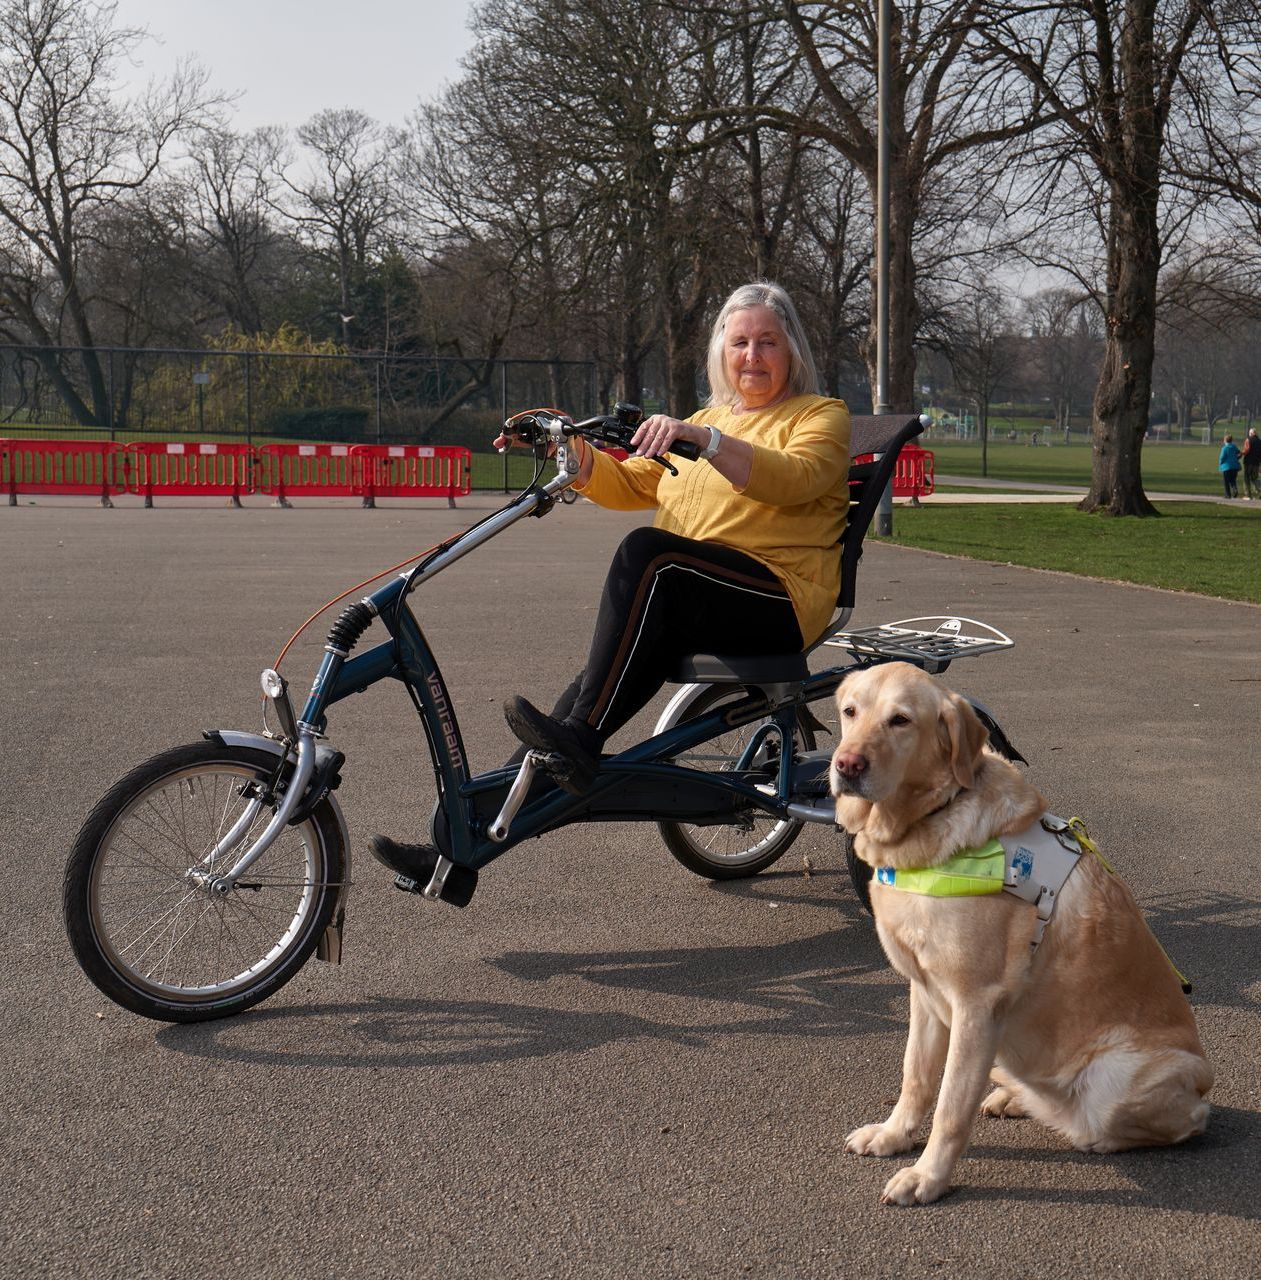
878	1140
913	1186
1004	1102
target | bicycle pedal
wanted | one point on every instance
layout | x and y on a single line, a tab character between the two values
566	773
457	889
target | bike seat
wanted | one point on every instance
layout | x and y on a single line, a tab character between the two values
762	669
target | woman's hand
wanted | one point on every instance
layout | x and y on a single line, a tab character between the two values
510	440
655	435
504	440
733	461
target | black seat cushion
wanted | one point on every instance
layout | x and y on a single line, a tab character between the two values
717	668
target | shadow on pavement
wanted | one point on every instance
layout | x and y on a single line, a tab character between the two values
1215	1174
810	988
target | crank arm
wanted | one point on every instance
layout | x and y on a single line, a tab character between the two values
498	830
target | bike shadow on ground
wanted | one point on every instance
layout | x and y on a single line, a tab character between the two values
829	985
825	987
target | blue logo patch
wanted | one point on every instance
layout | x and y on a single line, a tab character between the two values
885	875
1022	863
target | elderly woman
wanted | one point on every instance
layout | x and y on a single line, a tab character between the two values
743	555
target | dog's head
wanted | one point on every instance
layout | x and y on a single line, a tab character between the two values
902	733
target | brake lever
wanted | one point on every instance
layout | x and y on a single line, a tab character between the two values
669	466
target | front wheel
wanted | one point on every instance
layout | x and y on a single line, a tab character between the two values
143	914
730	851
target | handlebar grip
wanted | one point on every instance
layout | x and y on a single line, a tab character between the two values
686	449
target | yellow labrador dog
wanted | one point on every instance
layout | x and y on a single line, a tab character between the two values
1087	1031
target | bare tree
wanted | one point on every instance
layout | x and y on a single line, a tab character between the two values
71	150
343	202
1141	89
1066	347
827	268
219	207
983	352
595	163
946	110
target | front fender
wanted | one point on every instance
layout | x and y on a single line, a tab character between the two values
330	944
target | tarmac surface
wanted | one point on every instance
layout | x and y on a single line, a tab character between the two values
605	1066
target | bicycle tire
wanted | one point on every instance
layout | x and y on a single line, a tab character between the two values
860	872
158	943
724	851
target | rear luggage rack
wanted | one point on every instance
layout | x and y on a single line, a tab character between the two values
931	649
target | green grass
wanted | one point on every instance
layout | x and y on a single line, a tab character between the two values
1167	467
1202	547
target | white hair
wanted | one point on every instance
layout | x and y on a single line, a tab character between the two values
802	376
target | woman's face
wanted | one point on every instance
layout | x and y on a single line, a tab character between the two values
755	351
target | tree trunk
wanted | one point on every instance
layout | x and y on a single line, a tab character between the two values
65	389
1123	394
684	323
681	366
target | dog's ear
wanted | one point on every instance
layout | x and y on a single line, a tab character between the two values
966	736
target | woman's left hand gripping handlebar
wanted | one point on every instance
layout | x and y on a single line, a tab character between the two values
655	436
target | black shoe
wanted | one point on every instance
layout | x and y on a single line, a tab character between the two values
414	865
574	757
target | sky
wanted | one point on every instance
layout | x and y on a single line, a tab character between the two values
289	59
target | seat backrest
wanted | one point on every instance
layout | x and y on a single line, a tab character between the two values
875	443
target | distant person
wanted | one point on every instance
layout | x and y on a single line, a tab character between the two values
1033	439
1251	463
1228	464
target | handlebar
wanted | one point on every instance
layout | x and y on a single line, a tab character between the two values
538	426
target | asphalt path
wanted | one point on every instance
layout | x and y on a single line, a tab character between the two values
605	1066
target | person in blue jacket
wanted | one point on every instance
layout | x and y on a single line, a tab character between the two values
1228	463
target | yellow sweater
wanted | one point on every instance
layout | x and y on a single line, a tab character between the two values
789	516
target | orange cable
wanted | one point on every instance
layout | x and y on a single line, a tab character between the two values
344	594
392	569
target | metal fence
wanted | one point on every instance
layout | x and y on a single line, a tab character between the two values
131	394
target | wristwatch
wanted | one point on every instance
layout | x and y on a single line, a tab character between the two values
710	451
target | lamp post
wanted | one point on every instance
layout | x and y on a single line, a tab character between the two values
884	512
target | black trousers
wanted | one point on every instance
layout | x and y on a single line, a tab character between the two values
665	597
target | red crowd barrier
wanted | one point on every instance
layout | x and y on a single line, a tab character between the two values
913	475
173	469
191	470
309	471
93	468
414	471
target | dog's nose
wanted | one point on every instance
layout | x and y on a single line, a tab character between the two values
850	764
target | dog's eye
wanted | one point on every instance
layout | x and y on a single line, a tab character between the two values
848	712
899	720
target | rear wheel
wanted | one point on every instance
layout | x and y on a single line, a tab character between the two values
860	873
752	843
147	922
